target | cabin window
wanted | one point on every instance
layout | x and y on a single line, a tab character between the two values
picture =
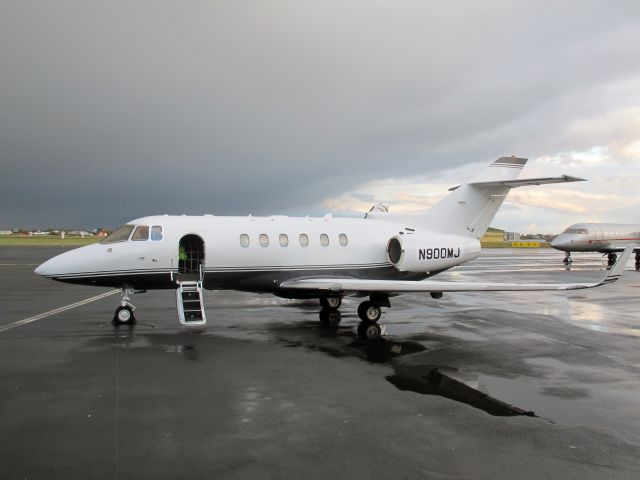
264	240
284	240
156	233
304	240
344	241
141	233
244	240
120	235
324	240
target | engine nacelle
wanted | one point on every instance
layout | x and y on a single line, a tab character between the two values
422	252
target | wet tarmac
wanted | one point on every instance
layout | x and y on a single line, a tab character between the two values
473	385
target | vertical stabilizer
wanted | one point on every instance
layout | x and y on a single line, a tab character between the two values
470	208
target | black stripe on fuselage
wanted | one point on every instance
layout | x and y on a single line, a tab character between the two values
298	268
251	281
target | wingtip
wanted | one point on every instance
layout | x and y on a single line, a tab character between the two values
569	178
616	270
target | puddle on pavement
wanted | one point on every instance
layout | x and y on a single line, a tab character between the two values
429	380
422	379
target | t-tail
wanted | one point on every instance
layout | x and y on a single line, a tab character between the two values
470	208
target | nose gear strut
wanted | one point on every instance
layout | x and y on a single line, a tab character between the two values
124	313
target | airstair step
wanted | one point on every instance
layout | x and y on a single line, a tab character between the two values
189	303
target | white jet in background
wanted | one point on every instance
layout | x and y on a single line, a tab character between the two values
375	257
606	238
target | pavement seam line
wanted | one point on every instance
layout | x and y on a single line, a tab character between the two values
40	316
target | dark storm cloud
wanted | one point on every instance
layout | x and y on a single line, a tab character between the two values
113	110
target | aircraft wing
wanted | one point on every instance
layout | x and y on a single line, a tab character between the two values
353	285
528	181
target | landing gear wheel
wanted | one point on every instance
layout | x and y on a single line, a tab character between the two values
368	312
567	259
124	316
369	330
330	316
331	302
612	257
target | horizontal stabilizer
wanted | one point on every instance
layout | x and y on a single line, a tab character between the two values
353	285
528	181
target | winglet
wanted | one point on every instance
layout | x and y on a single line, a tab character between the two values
616	270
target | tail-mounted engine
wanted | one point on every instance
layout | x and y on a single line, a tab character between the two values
425	253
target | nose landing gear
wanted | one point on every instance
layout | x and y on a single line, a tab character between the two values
124	313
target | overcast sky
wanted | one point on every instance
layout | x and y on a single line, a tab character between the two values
115	110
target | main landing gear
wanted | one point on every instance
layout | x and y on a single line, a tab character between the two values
124	313
369	312
612	258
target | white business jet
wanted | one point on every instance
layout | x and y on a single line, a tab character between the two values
377	257
606	238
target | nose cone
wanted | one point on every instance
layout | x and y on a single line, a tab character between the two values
559	243
56	266
68	263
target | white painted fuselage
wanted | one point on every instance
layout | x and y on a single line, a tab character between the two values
258	253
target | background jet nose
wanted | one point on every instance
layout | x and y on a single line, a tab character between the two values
559	242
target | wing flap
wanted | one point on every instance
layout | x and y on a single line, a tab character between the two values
352	285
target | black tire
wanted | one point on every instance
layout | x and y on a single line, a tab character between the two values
369	331
368	312
124	316
331	302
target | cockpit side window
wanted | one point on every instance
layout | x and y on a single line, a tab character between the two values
141	233
120	235
576	231
156	233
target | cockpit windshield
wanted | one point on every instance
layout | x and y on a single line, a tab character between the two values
573	231
120	235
